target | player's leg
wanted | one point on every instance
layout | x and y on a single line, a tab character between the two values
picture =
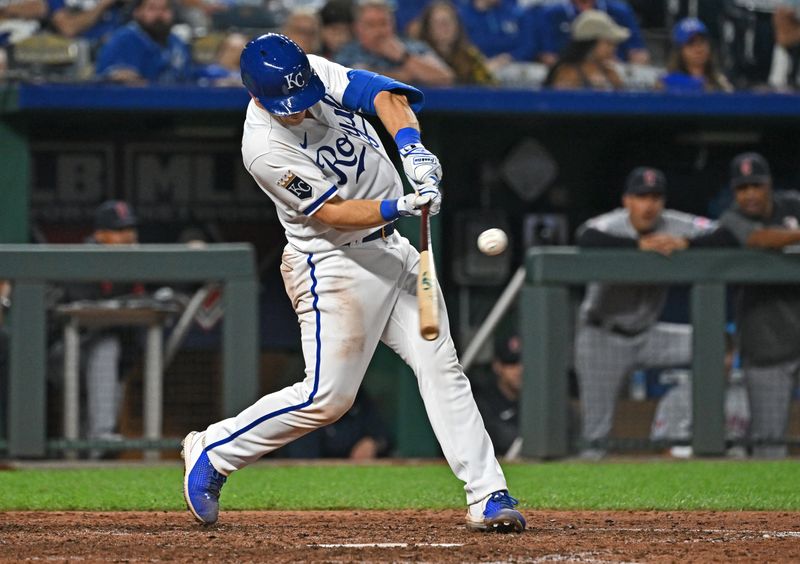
339	305
769	390
666	345
103	390
449	404
602	361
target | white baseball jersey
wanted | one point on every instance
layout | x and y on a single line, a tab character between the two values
300	168
348	297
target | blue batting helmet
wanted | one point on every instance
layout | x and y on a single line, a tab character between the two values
276	71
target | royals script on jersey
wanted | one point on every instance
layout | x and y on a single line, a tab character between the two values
334	152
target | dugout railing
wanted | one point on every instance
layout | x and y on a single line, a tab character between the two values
547	317
31	268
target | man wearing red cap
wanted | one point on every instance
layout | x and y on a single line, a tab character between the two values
768	317
618	328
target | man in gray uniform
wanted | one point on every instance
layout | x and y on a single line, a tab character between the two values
618	329
768	316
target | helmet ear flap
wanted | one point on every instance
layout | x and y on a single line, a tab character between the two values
277	72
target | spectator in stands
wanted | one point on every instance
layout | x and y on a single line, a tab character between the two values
691	66
497	395
618	329
20	19
303	27
145	51
555	28
225	70
747	41
588	62
114	224
408	14
440	27
359	435
377	48
768	317
785	71
336	31
336	26
502	30
94	20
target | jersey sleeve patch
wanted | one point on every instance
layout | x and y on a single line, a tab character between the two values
297	186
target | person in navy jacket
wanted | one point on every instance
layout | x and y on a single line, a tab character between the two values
503	31
145	51
557	19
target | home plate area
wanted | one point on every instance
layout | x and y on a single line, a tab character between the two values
400	536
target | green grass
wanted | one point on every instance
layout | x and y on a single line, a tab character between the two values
615	485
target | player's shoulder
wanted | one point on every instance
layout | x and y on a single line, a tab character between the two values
259	135
679	218
127	34
608	220
325	67
789	197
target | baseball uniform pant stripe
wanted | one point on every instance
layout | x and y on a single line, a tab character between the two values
310	399
366	294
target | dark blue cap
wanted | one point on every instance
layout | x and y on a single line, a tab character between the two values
508	349
646	180
114	215
684	30
749	169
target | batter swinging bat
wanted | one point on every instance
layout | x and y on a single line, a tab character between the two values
427	286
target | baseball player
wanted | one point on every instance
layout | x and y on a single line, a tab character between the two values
349	275
618	329
768	317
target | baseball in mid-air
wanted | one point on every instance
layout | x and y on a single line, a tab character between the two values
492	241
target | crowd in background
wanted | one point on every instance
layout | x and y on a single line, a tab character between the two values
715	45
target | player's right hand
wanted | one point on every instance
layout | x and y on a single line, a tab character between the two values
435	195
412	204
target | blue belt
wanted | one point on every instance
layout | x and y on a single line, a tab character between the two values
381	233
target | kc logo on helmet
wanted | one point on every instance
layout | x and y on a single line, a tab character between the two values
295	80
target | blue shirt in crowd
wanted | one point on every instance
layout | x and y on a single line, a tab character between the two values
108	21
505	28
557	19
131	48
407	11
354	56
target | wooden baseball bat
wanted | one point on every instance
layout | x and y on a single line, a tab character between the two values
427	284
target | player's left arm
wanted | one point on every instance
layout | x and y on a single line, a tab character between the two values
422	168
353	215
395	104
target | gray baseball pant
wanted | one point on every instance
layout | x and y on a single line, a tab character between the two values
769	389
103	388
604	359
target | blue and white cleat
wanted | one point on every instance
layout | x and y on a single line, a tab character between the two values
495	513
201	481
